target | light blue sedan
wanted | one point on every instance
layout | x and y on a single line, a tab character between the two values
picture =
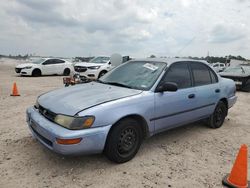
133	101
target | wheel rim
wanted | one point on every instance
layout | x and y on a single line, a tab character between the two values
128	141
219	116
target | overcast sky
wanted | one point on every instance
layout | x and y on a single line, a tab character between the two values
137	28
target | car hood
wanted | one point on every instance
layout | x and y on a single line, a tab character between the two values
89	64
71	100
25	65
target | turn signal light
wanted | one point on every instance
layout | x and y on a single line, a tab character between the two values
68	141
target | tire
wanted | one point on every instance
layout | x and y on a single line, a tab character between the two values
66	72
246	86
216	120
124	141
36	72
101	74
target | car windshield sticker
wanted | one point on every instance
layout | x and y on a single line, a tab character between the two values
150	66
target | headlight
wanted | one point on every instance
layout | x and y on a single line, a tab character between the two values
28	67
74	123
94	67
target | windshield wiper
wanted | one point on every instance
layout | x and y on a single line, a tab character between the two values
118	84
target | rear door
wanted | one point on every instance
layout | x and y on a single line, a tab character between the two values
175	108
206	88
59	66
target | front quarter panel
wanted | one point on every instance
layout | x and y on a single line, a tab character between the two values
111	112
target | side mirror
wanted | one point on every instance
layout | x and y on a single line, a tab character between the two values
109	63
167	86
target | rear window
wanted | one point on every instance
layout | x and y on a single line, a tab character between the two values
201	74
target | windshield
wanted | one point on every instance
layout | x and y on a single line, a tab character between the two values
100	60
238	69
38	61
134	74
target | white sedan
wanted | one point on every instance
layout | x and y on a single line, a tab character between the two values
45	66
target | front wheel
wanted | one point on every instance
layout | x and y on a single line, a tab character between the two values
217	118
123	141
102	73
36	73
66	72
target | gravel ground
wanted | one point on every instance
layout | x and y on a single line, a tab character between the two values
190	156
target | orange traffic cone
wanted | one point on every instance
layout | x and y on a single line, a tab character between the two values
238	176
14	90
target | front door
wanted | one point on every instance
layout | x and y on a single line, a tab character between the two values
175	108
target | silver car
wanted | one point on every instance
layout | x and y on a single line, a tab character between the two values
134	101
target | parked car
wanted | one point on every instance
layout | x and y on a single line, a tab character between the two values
133	101
240	74
45	66
218	67
95	68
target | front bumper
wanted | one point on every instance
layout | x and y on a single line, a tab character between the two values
46	132
90	74
231	101
26	72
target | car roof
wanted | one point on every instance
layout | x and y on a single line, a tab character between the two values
169	61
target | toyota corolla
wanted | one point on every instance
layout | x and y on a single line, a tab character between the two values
134	101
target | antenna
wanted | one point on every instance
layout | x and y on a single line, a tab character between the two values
188	43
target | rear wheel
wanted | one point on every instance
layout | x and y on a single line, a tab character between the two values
123	141
66	72
36	72
217	118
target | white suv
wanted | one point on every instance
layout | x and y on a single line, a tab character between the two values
95	68
219	67
45	66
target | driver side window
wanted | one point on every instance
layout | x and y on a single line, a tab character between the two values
178	73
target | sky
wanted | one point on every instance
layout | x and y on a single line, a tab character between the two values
138	28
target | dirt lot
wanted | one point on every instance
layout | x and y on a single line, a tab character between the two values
190	156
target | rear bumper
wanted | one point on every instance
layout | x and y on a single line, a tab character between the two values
231	101
46	132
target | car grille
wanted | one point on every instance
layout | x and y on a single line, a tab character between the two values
80	69
47	113
18	70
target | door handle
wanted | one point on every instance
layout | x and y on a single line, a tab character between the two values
191	96
217	91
